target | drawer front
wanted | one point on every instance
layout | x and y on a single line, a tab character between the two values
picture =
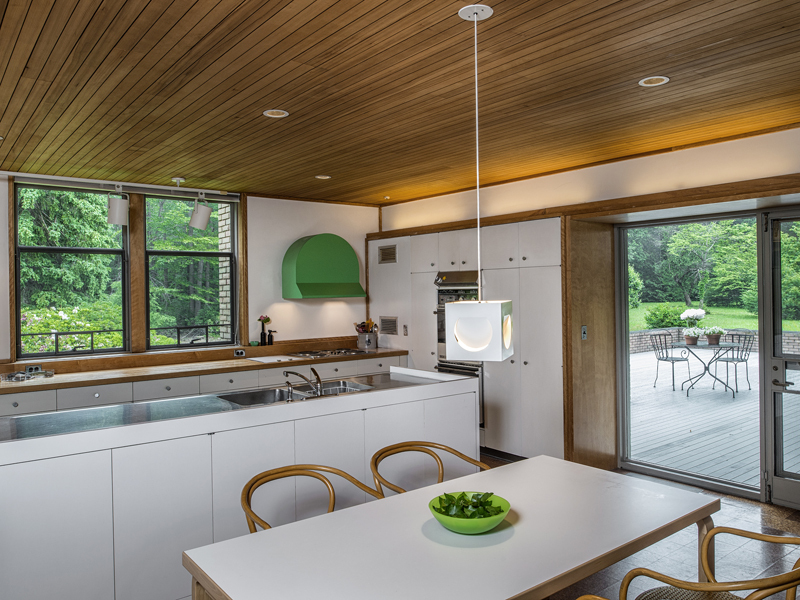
94	395
377	365
27	402
338	369
226	382
275	377
166	388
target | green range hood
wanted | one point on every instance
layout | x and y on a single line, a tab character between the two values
321	266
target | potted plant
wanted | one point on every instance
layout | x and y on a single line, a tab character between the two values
713	334
690	334
692	316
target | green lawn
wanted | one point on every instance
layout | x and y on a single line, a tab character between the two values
725	317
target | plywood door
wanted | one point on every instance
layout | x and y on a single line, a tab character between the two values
56	530
239	455
162	506
542	406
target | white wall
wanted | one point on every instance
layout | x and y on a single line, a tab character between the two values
272	226
5	340
750	158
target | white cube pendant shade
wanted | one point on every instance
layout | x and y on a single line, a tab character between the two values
479	330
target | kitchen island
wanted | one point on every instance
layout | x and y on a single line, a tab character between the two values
117	505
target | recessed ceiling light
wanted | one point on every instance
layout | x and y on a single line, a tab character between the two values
322	176
178	180
276	113
386	197
1	138
654	81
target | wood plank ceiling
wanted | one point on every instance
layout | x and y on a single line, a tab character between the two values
380	92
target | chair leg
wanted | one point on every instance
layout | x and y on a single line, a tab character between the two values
736	375
688	369
658	362
746	374
714	381
673	375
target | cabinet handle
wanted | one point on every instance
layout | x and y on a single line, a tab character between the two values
97	395
463	262
168	388
452	262
380	364
512	361
431	264
510	259
525	362
524	258
432	353
336	370
15	404
230	380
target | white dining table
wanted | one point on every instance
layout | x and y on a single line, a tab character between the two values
566	522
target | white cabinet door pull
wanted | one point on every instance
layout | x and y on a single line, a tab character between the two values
97	395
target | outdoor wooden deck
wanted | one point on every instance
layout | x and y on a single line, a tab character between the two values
709	432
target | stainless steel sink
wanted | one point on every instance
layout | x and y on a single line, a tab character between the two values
255	397
334	388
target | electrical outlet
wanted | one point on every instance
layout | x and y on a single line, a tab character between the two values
405	330
238	353
584	335
33	368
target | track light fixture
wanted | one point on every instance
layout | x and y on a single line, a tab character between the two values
118	206
201	213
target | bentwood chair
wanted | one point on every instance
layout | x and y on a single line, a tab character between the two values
425	448
677	589
661	342
745	340
295	471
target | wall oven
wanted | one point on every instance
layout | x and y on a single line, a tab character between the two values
453	287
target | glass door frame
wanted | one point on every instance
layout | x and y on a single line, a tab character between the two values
623	365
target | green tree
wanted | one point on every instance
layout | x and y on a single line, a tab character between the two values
735	263
635	286
690	258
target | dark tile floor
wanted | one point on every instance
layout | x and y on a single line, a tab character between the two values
737	558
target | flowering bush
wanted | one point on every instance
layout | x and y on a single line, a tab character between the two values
693	331
45	322
692	316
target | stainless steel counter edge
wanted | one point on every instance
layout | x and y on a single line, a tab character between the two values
25	450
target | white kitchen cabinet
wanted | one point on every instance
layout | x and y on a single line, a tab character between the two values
425	253
335	441
542	378
275	377
162	506
452	421
390	291
423	322
387	425
370	366
166	388
337	370
56	530
27	402
458	250
228	382
502	403
500	246
94	395
239	455
540	243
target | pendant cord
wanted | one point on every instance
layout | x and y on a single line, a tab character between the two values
477	161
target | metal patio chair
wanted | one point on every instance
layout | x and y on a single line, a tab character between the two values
745	338
661	340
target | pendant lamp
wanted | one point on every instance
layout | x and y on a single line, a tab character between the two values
201	213
478	330
117	207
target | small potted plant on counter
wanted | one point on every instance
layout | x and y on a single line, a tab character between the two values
713	334
690	334
264	320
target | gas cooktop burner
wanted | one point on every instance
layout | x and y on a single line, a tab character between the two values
327	353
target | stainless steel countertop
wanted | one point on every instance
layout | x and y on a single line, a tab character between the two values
119	415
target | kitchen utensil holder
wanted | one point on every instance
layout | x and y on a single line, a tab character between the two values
367	341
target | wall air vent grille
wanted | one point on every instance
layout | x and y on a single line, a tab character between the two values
387	254
388	325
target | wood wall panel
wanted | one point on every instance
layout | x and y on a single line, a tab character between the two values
12	270
242	266
591	420
136	244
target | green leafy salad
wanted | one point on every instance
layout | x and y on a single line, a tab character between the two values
464	506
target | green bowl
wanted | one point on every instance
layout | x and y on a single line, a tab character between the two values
471	526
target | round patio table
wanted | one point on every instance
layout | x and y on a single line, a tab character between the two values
719	350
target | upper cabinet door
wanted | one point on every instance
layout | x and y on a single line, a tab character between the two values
425	253
500	246
450	250
468	250
540	243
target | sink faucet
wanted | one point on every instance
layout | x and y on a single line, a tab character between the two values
290	390
317	387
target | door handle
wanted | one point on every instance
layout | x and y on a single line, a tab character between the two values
783	385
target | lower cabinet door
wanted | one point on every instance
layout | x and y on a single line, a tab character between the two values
162	506
453	421
335	441
238	456
56	529
387	425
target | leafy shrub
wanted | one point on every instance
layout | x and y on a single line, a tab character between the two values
635	287
663	315
750	300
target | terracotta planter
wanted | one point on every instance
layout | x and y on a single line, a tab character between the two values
690	340
713	338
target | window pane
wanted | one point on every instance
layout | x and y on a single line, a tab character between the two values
193	294
63	295
168	226
65	218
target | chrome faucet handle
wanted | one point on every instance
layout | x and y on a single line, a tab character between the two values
291	391
319	381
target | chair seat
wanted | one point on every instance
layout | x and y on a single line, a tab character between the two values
672	593
674	359
731	359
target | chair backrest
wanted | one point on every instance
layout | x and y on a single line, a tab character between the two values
745	338
661	341
425	448
295	471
